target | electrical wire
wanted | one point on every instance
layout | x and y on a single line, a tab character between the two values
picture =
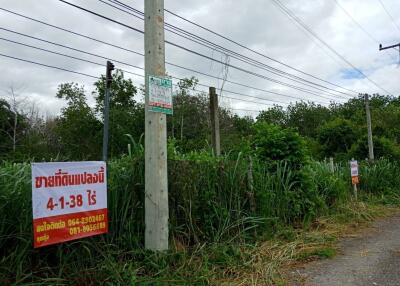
49	66
191	51
129	72
206	43
131	51
363	29
252	50
390	15
291	15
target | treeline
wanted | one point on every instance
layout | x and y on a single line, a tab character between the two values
337	130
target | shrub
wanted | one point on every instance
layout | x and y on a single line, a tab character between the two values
273	143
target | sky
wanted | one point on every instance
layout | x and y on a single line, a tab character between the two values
352	28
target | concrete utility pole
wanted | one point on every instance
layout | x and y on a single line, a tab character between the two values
370	142
214	115
109	69
156	179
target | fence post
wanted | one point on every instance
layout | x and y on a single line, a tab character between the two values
214	116
331	164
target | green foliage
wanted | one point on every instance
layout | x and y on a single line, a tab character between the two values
275	115
332	186
126	114
383	148
273	143
78	129
307	117
336	137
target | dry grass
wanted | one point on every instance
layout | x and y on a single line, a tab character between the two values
272	260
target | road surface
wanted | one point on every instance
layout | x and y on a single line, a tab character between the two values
373	258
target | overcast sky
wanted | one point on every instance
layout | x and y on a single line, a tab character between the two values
258	24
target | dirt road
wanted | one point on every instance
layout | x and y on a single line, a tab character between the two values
372	258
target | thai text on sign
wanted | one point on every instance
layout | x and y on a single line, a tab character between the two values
354	172
160	95
69	201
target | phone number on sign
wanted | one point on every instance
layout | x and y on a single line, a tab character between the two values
86	220
87	228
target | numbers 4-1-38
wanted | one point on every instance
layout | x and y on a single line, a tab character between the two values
72	201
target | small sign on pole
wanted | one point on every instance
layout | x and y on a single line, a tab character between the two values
69	201
354	175
160	95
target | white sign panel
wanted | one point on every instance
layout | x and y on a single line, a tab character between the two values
354	168
160	95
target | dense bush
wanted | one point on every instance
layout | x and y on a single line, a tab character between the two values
273	144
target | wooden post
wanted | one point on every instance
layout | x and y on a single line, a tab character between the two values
156	175
214	116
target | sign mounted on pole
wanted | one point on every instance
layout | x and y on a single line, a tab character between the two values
69	201
160	95
354	172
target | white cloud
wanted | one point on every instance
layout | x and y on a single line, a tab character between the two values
257	24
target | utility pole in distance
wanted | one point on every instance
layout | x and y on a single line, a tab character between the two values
156	179
109	69
370	142
381	48
214	116
390	47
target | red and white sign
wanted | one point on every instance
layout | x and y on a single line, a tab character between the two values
354	172
69	201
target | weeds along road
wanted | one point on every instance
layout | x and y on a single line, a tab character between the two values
372	258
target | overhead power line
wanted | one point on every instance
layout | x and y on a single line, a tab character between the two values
95	77
197	53
390	15
291	15
135	52
129	72
49	66
254	51
356	23
206	43
67	56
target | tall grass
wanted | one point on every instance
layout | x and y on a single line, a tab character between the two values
211	207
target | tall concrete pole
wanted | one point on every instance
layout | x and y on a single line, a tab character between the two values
370	142
214	116
156	179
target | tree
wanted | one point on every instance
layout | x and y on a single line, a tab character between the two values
275	115
307	117
189	124
273	143
126	114
336	137
78	129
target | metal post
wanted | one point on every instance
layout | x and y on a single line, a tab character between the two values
109	68
214	116
354	185
370	142
355	191
156	180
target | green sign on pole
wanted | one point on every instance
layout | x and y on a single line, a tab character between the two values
160	95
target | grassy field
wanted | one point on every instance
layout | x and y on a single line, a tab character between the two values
225	228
